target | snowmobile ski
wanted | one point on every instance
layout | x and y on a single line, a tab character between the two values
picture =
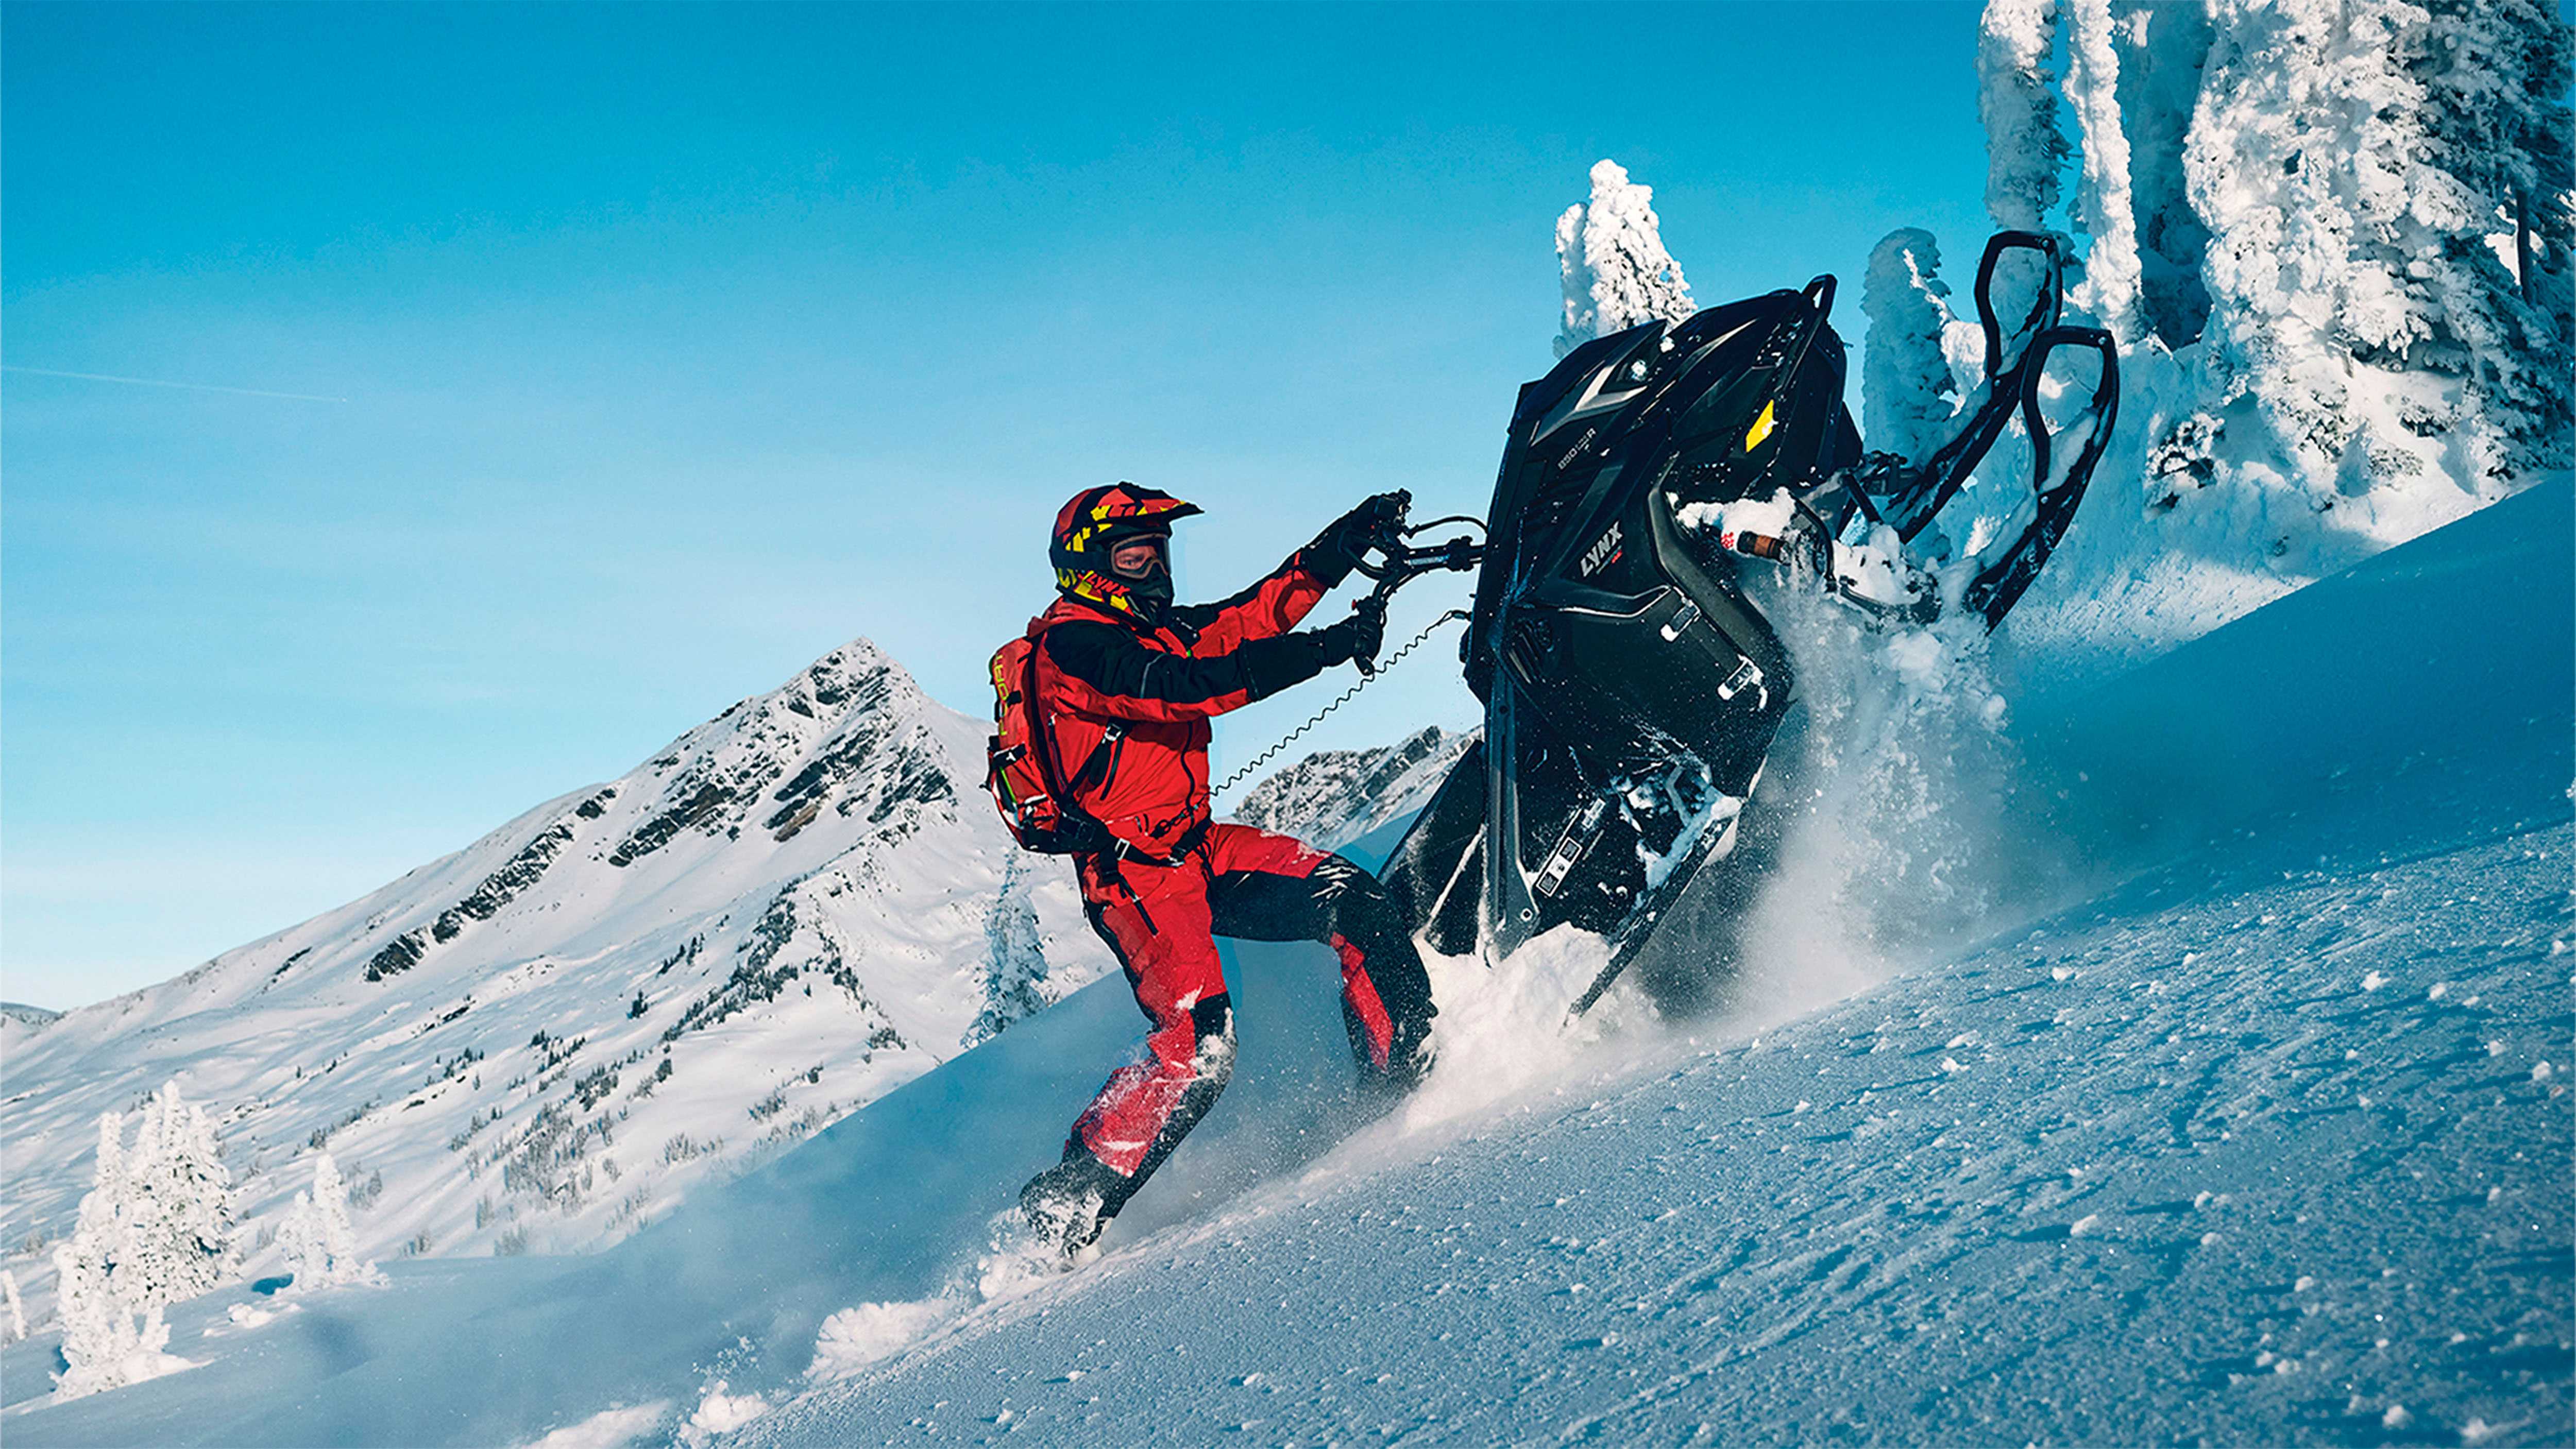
2019	380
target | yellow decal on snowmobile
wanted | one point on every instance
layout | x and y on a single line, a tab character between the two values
1761	426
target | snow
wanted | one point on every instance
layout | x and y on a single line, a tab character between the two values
2155	1029
561	1032
1668	1243
1610	254
607	1429
2017	99
2132	1154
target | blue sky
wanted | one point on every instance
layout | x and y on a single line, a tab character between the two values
558	375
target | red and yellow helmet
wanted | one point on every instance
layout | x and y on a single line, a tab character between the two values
1097	520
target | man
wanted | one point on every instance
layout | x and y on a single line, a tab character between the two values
1124	682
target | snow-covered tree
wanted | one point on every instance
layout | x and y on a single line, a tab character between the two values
15	1330
184	1217
1610	253
2494	74
2026	150
2110	287
155	1228
2161	49
2279	164
1015	963
103	1346
320	1245
1907	391
2355	162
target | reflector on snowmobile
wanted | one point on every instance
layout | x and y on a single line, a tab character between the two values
1632	689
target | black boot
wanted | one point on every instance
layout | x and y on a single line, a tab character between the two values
1408	1061
1069	1204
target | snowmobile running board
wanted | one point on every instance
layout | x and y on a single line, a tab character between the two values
1632	686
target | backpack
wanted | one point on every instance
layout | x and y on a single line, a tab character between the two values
1020	766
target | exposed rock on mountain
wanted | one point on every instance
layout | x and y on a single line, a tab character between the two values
550	1036
1333	797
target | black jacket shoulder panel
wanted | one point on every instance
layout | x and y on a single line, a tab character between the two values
1113	660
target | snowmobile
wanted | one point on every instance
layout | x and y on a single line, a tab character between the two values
1633	689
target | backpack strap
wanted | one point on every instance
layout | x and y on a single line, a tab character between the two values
1103	759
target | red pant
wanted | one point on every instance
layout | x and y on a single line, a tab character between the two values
1252	885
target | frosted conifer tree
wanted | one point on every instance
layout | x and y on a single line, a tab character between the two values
16	1329
298	1242
2493	73
2263	163
1610	253
2017	100
103	1347
2161	50
137	1246
2349	166
1015	963
1907	392
2109	290
2026	150
182	1201
320	1246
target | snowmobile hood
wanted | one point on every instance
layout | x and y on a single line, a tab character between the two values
1729	404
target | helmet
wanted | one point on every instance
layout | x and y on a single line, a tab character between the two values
1096	521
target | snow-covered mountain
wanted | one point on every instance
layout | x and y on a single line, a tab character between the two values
1334	797
2257	1132
555	1034
551	1037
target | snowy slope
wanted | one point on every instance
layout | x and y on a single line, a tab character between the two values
558	1032
2269	1142
2286	1164
2259	1133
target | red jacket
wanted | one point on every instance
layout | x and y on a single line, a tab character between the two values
1157	687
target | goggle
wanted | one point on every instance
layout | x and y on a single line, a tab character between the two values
1123	559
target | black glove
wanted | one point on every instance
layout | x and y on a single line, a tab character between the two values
1340	547
1356	637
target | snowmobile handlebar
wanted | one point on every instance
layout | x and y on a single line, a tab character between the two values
1405	562
1400	561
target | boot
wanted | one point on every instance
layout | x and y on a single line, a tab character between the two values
1069	1204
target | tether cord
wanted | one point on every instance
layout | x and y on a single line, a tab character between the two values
1266	756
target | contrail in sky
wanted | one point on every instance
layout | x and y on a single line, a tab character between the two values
156	382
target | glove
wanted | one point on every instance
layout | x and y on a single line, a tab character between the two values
1273	664
1357	637
1344	542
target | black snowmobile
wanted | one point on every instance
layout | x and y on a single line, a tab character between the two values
1633	690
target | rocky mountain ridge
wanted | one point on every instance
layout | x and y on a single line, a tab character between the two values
1334	797
547	1038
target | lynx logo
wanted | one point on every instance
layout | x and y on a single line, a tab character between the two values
1601	552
